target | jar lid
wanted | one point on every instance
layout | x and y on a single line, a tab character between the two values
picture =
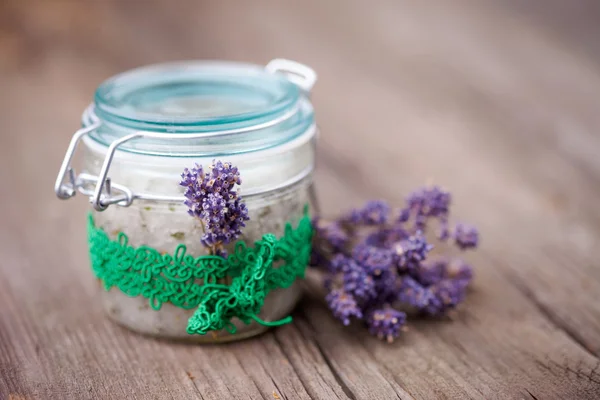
200	108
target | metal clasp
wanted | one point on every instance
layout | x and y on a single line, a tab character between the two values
300	74
63	189
104	194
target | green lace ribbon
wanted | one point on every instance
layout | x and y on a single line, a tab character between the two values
197	282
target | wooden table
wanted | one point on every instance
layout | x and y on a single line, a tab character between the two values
497	101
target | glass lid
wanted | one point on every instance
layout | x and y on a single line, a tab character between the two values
199	97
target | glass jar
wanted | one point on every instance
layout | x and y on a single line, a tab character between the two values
142	129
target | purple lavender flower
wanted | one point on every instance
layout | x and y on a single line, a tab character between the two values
357	282
425	203
388	262
414	294
195	189
224	175
466	236
375	212
432	272
404	215
460	270
343	306
386	323
374	259
436	299
339	263
386	287
445	295
223	221
386	237
411	252
333	234
210	196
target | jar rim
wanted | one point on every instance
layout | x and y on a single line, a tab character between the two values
199	97
242	93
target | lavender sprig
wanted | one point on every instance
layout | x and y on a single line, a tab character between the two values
386	323
343	306
358	282
466	236
428	203
210	196
409	253
333	234
374	259
375	212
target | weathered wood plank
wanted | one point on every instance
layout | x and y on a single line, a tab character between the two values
473	94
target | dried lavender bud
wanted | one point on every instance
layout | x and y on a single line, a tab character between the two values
386	237
223	220
432	272
466	236
339	263
212	198
195	189
357	282
411	252
460	271
375	212
445	295
374	259
404	215
386	323
225	175
425	203
343	306
436	299
333	234
386	287
414	294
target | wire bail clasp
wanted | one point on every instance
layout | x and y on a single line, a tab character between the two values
66	190
301	75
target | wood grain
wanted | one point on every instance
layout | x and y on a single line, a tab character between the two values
495	100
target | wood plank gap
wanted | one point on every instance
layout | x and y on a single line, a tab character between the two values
384	366
547	312
193	380
256	385
279	392
196	387
267	370
335	374
531	394
578	372
344	388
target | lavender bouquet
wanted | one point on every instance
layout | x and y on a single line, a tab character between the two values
378	262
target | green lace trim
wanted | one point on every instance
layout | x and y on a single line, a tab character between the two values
188	282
